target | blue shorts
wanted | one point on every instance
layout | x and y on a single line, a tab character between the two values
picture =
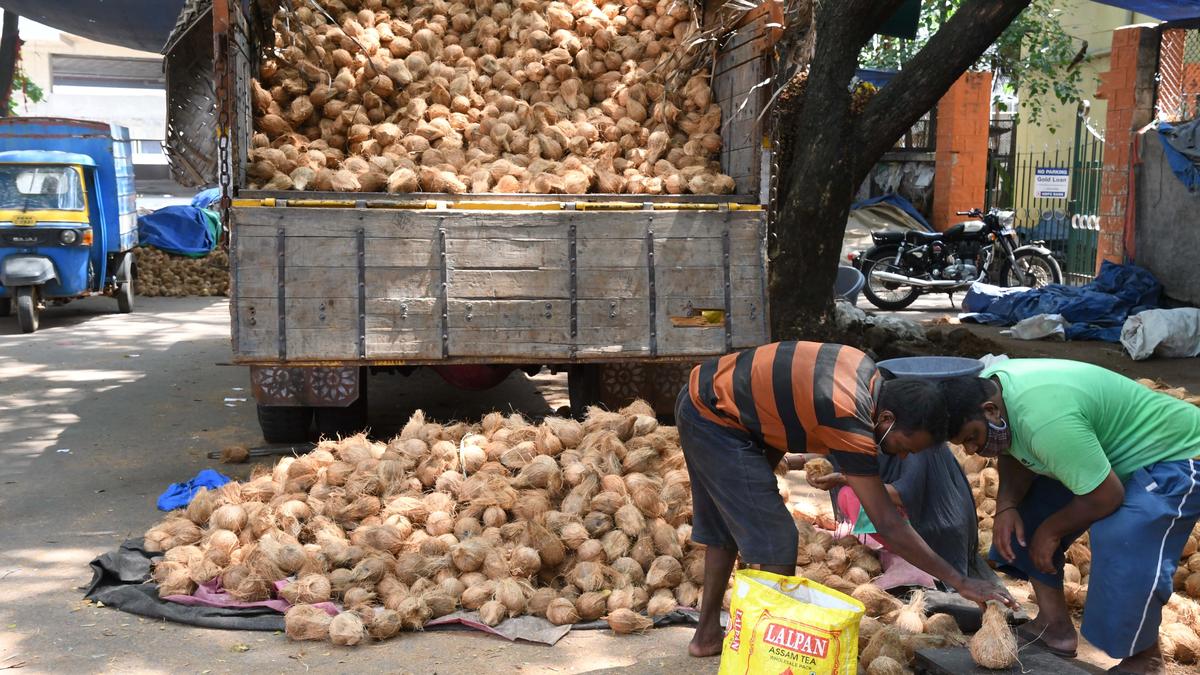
1135	552
735	498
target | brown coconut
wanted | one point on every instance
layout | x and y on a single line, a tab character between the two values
305	622
625	621
561	612
995	645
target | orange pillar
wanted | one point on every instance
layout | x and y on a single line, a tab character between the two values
1129	88
960	171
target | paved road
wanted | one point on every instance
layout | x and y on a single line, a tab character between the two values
100	411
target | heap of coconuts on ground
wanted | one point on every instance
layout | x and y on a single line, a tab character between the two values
160	274
527	96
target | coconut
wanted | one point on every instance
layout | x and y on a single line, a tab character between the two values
886	665
347	629
664	572
912	616
995	645
413	612
592	605
1179	643
625	621
230	517
307	589
818	467
492	612
305	622
665	539
887	641
661	603
511	594
946	626
469	555
876	600
591	551
561	612
384	623
549	548
587	576
476	594
524	562
574	535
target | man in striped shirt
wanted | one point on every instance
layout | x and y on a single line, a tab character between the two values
741	413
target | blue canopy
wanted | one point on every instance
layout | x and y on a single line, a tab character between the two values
1166	10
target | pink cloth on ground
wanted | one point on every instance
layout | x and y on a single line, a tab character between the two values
896	570
212	594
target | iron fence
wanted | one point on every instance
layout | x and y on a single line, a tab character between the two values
1178	95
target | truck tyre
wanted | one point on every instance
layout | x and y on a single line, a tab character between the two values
125	297
27	309
285	424
6	307
583	388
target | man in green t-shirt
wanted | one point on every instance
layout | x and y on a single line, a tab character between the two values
1080	449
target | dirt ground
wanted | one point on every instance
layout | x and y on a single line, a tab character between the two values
102	411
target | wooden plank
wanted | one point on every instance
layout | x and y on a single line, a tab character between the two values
321	282
404	328
322	343
320	222
258	328
613	326
509	327
342	251
746	319
333	314
401	282
508	284
507	253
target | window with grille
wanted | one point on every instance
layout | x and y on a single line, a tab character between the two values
92	71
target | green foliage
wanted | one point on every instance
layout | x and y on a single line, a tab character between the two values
1034	56
26	88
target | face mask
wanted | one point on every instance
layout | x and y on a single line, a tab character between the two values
999	438
879	443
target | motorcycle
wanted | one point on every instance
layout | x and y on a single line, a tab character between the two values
903	265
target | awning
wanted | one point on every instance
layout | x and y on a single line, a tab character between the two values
137	24
1165	10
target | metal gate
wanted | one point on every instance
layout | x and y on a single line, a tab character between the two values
1055	197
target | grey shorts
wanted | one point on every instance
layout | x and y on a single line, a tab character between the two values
735	499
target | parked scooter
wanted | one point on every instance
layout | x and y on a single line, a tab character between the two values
903	265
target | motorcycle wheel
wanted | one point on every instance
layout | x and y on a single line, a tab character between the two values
27	309
884	294
1032	269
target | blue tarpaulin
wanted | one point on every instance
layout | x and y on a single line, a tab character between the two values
182	230
1177	141
1096	311
204	199
1166	10
897	201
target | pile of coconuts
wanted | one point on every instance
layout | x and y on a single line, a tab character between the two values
564	520
485	96
160	274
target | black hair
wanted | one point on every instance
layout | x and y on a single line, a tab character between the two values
917	404
965	397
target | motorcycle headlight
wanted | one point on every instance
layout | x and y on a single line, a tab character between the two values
69	237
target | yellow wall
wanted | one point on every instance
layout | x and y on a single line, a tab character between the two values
1083	20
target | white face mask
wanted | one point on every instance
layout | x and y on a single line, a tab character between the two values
879	443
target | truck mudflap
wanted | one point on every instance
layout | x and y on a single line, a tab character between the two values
27	270
317	386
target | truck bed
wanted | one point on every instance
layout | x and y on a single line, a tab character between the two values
353	279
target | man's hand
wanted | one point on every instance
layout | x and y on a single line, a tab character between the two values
827	482
1045	543
982	591
1007	525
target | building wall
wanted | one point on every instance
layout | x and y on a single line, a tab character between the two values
1167	237
1083	20
143	111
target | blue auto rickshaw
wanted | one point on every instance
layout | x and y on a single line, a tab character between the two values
68	223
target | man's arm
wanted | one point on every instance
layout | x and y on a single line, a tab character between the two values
1076	516
906	543
838	479
1015	480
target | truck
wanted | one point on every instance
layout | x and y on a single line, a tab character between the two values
68	222
623	292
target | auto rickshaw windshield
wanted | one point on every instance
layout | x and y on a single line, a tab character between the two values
25	187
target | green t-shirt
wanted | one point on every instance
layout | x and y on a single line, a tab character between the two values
1074	421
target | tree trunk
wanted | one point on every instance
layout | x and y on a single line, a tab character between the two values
9	44
834	150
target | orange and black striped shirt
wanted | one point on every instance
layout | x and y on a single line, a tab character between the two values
796	397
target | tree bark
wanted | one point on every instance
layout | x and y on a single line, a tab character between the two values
9	44
836	150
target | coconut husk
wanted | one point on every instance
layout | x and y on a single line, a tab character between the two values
439	602
665	538
477	593
1179	643
347	629
549	548
531	505
201	507
887	642
235	454
574	535
413	612
945	626
664	572
305	622
587	575
539	601
995	645
661	603
876	600
524	562
592	605
385	623
628	598
512	594
625	621
630	520
867	627
561	612
307	589
886	665
357	598
911	618
494	516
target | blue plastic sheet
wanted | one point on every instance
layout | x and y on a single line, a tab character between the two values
1096	311
1166	10
179	495
182	230
897	201
1174	142
205	199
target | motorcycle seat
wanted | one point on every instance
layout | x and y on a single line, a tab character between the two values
917	237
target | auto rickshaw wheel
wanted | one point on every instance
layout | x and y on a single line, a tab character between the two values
125	297
27	309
